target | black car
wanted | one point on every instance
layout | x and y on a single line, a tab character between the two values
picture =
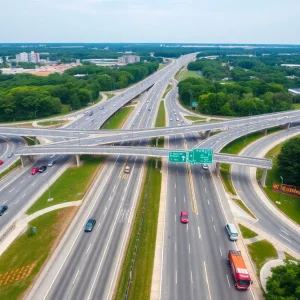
90	225
3	209
42	169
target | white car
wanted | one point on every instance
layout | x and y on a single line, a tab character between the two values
171	119
127	169
205	167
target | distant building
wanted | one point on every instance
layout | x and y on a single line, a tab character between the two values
34	57
294	91
1	60
22	57
291	65
77	61
128	59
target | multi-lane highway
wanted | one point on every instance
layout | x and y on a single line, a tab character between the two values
195	265
21	190
89	270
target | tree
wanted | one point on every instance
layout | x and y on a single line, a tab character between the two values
288	161
284	284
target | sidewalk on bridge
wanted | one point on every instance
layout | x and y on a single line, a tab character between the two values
21	225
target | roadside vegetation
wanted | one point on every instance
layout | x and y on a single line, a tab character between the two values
140	286
53	123
160	122
194	118
72	185
242	205
186	74
246	232
30	141
15	165
288	204
261	252
118	119
168	89
177	75
25	257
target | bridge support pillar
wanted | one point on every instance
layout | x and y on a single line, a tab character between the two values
218	169
265	131
156	163
157	141
26	160
263	178
77	160
206	134
286	126
35	140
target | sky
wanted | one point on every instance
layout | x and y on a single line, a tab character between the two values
162	21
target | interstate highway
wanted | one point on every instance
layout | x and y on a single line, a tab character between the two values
18	192
92	263
194	264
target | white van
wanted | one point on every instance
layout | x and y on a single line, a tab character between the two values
232	231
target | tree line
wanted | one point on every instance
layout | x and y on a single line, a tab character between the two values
24	96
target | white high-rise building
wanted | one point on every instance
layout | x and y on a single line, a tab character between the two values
34	57
22	57
129	59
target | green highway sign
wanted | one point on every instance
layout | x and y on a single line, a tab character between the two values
191	157
177	156
203	156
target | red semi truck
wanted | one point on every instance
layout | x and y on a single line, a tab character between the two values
239	271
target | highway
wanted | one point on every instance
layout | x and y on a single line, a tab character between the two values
195	256
267	221
90	261
21	191
9	145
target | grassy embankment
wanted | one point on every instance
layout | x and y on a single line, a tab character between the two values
167	90
246	232
118	119
289	205
30	141
261	252
140	287
11	168
24	258
53	123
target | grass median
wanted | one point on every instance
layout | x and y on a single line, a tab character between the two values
242	205
53	123
288	204
118	119
168	89
15	165
160	122
25	257
246	232
71	185
140	287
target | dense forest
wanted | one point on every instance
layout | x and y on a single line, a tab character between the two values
241	86
24	96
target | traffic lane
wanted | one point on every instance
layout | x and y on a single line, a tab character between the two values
105	282
16	193
216	242
72	273
270	224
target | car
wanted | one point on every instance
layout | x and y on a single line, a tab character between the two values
205	167
51	163
171	119
9	155
177	119
127	169
86	113
101	108
90	225
232	231
90	113
42	169
184	217
3	209
34	170
175	113
149	108
147	101
1	162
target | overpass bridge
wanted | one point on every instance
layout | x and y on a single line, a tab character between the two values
26	154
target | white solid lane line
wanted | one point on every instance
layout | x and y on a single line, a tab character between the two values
228	280
23	195
199	233
220	251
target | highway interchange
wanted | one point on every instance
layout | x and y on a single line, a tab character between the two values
194	265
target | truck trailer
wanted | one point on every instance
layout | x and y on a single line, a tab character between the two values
239	271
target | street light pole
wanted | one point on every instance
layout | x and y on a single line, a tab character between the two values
35	114
49	196
132	133
191	96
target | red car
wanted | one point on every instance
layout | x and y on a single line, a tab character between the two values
34	171
184	217
1	162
